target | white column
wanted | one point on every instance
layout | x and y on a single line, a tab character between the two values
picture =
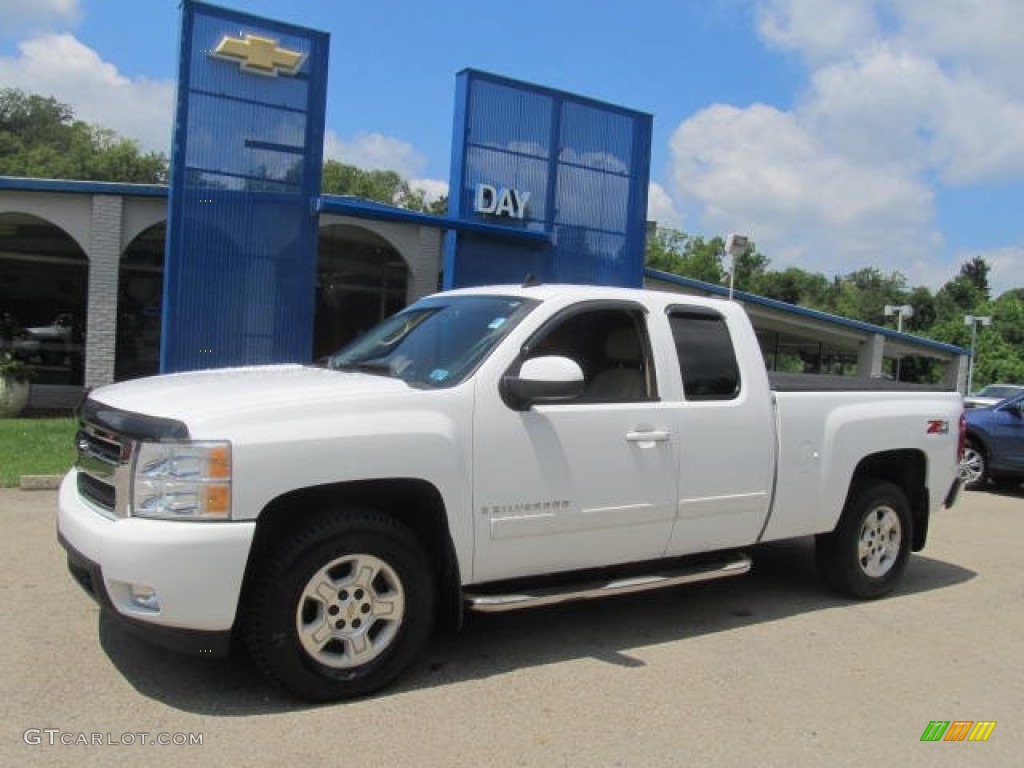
956	373
869	358
104	261
424	265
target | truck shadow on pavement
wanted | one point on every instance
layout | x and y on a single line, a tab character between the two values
782	584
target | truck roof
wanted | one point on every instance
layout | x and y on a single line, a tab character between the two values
563	291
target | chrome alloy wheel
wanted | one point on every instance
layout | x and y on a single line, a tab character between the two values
350	611
879	541
972	466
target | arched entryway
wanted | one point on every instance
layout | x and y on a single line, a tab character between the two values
44	278
360	279
140	289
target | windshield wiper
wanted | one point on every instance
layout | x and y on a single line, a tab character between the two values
375	367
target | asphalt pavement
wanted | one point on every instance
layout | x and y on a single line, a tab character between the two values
767	669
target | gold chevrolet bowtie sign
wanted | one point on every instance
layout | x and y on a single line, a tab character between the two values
260	55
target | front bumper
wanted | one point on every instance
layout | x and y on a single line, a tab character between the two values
195	569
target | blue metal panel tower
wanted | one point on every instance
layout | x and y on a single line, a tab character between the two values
536	159
246	165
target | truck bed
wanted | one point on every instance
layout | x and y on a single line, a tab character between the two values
813	382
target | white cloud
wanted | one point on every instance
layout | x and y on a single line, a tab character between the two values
375	151
433	189
901	97
875	107
982	35
817	29
935	84
661	208
59	65
888	105
20	16
761	172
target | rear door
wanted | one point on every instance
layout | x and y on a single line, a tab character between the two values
726	432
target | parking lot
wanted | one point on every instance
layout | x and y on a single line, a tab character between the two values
767	669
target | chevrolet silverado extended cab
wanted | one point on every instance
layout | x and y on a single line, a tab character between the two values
489	449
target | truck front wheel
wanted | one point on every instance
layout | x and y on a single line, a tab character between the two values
866	554
342	608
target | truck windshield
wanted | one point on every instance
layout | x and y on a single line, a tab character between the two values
436	342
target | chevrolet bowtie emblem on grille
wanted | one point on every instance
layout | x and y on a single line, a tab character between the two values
260	55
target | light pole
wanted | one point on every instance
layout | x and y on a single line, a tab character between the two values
901	311
973	321
735	245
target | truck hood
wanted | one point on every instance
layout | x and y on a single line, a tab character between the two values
203	396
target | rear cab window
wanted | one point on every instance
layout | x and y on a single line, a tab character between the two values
705	352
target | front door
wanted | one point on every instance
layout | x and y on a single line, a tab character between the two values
1007	437
584	483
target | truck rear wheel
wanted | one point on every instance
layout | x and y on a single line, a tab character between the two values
866	554
342	608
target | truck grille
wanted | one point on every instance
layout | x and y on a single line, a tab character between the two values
99	493
104	462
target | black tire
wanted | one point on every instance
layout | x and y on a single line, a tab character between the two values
974	465
342	608
865	556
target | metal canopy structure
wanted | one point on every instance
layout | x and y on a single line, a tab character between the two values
857	347
69	206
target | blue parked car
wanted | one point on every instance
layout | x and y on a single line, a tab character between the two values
995	444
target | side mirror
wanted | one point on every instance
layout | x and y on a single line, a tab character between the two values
550	379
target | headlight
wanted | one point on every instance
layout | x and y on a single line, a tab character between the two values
183	481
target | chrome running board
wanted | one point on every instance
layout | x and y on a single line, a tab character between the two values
496	603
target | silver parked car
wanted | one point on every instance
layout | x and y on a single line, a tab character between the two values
992	394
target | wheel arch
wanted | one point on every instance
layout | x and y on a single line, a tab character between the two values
978	437
908	469
415	503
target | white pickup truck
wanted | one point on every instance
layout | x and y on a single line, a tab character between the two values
489	449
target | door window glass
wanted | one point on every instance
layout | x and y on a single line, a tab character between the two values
707	360
611	347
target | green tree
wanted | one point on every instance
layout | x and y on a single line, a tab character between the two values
670	250
751	270
999	347
665	248
923	302
976	272
40	137
439	207
798	287
863	294
1008	318
999	354
957	297
378	185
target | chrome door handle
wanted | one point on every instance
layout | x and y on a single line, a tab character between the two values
653	436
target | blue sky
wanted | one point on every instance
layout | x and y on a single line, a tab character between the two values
838	134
